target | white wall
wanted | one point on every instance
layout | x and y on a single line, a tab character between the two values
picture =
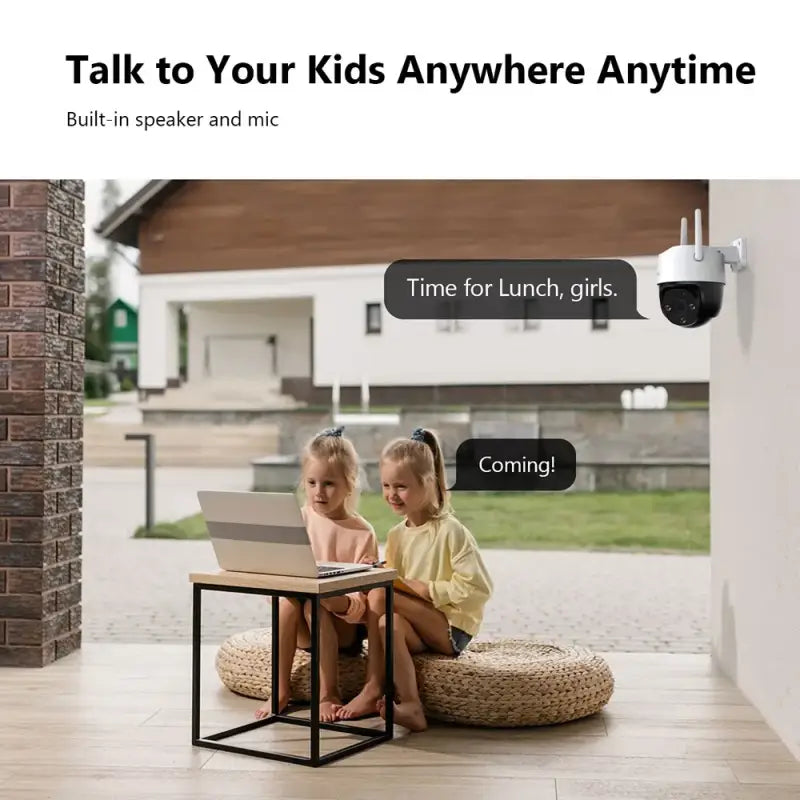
486	351
755	447
287	319
414	352
153	338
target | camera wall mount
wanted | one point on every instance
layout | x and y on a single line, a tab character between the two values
734	254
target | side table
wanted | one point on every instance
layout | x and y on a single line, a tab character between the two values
304	589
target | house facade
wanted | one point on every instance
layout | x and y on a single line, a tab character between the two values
281	283
123	338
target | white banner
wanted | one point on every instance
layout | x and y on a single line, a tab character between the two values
412	89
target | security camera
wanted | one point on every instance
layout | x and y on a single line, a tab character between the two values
691	277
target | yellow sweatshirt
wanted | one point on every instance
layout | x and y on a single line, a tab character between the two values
445	555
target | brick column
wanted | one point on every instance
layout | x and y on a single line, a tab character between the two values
42	307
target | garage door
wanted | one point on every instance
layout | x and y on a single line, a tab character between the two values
239	357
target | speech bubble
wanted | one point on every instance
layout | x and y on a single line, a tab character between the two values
514	465
519	289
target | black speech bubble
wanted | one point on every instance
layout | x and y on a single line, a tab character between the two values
529	465
440	289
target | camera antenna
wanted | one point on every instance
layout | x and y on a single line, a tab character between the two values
698	235
684	230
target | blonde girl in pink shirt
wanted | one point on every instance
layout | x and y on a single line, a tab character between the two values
338	533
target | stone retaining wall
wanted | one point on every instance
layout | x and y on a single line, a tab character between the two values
282	474
616	449
598	434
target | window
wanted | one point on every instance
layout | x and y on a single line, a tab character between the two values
599	314
373	317
530	320
120	318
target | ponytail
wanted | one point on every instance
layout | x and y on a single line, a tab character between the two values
438	467
424	455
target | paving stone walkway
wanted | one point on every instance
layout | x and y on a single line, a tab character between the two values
137	590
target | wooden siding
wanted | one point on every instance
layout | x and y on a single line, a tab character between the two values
210	225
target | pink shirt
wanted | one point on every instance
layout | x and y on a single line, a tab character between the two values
343	541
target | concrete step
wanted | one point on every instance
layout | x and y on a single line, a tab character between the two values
104	444
223	394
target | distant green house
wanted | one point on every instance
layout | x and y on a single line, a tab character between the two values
123	328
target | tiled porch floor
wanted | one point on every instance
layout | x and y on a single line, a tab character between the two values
112	722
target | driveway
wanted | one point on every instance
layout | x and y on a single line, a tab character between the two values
137	590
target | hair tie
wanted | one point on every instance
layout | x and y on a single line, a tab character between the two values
418	435
335	432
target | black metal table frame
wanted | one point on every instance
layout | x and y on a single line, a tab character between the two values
373	736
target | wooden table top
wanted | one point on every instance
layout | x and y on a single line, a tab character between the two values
252	580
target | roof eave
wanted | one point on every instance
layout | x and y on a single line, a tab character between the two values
122	224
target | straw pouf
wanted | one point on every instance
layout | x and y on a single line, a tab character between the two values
514	683
244	665
508	683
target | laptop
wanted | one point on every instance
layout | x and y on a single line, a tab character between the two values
264	532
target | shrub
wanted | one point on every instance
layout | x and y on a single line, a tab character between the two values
91	389
103	385
127	385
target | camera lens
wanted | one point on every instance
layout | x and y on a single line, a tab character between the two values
690	305
681	305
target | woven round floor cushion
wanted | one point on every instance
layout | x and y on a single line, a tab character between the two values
507	683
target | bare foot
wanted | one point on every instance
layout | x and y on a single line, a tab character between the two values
381	704
329	708
363	704
264	711
409	715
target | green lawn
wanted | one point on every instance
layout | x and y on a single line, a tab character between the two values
98	401
651	521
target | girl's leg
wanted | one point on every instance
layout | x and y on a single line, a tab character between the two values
428	622
333	633
418	626
365	702
293	634
408	710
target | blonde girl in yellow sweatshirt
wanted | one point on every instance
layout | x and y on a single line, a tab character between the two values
443	584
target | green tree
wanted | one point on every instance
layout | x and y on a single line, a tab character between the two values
98	297
98	285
